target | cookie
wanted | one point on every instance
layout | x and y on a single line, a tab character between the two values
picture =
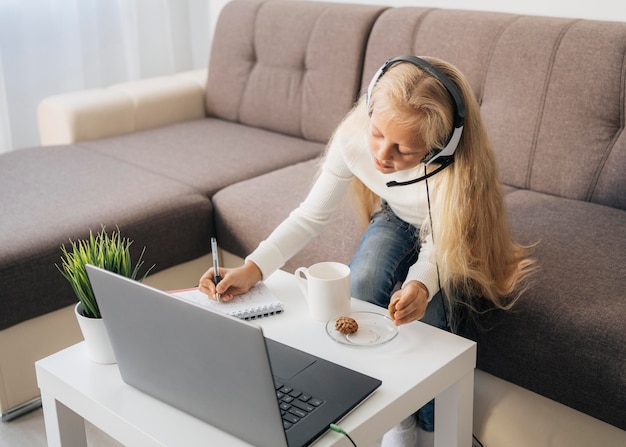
346	325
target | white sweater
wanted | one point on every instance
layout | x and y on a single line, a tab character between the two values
348	156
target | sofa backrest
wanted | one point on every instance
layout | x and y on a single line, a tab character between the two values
288	66
552	91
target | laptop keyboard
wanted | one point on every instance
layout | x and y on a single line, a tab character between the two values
294	404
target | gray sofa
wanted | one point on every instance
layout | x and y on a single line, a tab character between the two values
175	160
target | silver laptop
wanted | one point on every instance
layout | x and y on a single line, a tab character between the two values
222	369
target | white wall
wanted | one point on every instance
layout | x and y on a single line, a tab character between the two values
613	10
587	9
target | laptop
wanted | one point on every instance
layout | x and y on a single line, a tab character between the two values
222	369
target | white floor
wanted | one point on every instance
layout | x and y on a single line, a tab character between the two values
29	431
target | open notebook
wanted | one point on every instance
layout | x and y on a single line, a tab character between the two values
258	302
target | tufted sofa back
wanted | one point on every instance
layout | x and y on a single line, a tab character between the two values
290	67
552	91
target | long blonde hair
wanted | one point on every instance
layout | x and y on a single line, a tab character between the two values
475	252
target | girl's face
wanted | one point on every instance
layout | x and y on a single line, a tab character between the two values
394	146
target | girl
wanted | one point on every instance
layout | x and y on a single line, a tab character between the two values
415	154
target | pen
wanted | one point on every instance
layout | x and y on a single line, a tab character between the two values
216	266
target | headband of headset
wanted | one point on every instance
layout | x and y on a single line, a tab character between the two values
444	156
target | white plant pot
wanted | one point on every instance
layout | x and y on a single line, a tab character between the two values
96	337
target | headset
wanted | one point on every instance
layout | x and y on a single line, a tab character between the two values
444	157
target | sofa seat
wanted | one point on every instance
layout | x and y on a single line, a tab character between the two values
207	154
54	194
246	213
575	351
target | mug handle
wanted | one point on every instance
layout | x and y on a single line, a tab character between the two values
302	282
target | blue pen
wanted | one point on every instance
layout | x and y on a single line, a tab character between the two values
216	266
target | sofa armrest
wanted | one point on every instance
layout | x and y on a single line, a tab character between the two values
122	108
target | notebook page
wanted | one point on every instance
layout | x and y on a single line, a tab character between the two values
258	302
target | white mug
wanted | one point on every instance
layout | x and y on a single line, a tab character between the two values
326	286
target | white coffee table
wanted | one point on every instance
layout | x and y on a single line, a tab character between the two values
421	363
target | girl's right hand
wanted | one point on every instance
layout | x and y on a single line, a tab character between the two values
409	303
234	282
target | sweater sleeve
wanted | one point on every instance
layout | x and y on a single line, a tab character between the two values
307	220
425	269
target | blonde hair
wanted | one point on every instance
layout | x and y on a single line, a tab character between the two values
475	252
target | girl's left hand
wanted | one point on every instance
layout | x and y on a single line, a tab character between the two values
409	303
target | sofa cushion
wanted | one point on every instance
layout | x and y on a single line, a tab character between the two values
54	194
207	154
291	67
551	91
247	212
564	339
550	139
463	38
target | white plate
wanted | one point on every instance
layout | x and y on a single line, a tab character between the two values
374	329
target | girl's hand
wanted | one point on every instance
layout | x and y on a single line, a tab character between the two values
234	281
409	303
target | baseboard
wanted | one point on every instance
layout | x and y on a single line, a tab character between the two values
508	415
22	345
22	409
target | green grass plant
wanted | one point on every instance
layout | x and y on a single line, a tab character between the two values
110	252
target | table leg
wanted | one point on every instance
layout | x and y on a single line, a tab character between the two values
453	414
63	426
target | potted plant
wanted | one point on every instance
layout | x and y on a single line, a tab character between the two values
110	252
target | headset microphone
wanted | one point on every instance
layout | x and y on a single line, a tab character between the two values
444	157
443	165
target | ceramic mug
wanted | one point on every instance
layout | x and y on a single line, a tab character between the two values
326	286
